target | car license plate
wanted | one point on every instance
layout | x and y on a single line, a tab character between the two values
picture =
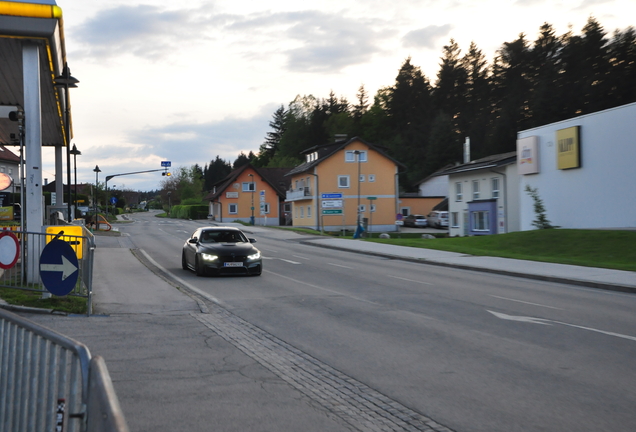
233	264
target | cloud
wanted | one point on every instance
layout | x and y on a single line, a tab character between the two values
143	31
310	41
426	37
188	143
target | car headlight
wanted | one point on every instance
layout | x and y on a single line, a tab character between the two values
208	257
255	256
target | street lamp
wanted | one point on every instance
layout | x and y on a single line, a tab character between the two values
253	187
67	81
75	152
96	171
357	153
169	203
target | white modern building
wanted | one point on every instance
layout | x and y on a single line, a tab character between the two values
583	170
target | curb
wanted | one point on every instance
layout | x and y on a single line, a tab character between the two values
567	281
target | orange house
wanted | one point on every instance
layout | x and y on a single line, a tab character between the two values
345	183
249	194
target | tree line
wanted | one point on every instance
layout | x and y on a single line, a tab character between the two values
424	124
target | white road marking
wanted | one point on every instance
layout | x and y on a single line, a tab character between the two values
301	257
525	302
410	280
281	259
339	265
181	281
269	250
547	322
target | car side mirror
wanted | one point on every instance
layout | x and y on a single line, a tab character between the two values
252	240
193	240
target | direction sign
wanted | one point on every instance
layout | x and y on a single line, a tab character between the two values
332	211
331	195
166	164
59	267
331	203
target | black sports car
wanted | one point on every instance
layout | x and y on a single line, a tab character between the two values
221	250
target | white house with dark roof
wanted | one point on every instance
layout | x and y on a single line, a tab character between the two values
483	196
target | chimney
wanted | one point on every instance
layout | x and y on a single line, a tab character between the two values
467	150
339	137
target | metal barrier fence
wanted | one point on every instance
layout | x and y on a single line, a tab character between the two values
25	274
49	382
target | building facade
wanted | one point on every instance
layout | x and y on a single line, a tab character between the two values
251	195
343	183
582	170
483	196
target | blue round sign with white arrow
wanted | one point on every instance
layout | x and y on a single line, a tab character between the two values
59	267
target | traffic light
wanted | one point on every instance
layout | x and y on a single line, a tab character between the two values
166	173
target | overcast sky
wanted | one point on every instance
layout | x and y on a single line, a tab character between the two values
187	81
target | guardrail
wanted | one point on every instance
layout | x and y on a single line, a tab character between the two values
49	382
24	274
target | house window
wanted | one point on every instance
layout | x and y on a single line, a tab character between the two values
302	212
232	208
405	211
362	208
350	156
371	178
458	191
249	186
265	208
287	207
480	221
343	181
455	219
475	189
361	178
372	208
495	187
308	211
10	171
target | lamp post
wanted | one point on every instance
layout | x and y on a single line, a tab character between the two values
75	152
96	171
169	203
357	153
67	81
253	187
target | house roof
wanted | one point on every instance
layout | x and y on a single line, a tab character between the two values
8	155
486	162
275	177
327	150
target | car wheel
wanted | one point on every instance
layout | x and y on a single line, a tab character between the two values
198	269
184	263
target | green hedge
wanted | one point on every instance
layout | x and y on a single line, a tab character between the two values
189	211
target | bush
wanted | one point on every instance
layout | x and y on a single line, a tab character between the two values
189	211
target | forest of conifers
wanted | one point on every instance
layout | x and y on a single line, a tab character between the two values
423	124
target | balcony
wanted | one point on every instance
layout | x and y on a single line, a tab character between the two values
298	194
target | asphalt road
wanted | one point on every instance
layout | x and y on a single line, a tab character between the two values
473	351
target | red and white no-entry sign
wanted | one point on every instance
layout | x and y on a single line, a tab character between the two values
9	249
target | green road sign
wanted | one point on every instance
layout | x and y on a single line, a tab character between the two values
372	198
331	211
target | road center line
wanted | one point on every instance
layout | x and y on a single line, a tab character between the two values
410	280
340	265
525	302
301	257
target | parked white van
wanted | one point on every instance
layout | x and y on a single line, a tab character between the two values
438	219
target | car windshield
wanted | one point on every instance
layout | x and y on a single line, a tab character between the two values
222	237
